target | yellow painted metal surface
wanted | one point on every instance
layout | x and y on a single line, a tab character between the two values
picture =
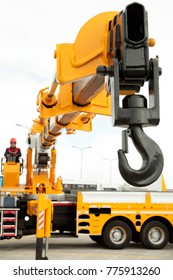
58	186
137	213
53	166
29	167
78	60
101	104
75	62
43	209
163	184
44	182
11	174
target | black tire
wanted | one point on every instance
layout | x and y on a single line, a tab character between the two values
116	235
96	238
154	235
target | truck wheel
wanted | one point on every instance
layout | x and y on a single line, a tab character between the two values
117	235
96	238
154	235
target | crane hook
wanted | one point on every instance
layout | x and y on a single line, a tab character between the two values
152	157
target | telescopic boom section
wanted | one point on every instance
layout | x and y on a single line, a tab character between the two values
109	58
71	98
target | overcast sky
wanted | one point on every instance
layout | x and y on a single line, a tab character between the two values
29	32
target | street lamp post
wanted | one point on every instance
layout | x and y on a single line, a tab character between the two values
110	168
81	158
24	126
28	128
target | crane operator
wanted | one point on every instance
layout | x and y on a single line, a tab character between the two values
12	153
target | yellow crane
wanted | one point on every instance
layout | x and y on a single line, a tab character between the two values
108	59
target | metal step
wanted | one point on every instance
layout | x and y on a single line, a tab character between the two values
9	212
8	222
8	227
10	234
9	219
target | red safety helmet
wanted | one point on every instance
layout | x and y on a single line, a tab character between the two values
13	140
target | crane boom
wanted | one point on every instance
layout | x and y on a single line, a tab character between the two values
109	58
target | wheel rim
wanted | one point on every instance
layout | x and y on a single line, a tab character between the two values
117	235
156	235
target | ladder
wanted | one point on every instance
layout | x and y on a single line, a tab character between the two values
8	222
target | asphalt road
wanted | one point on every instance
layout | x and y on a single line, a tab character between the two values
81	248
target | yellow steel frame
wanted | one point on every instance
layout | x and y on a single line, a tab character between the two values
75	62
35	207
11	174
129	211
